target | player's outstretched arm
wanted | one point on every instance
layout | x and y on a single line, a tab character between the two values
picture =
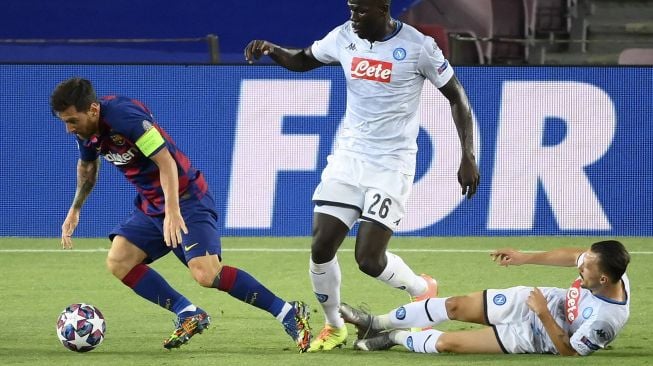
87	173
294	59
468	174
563	257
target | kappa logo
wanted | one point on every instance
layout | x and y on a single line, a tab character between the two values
375	70
601	333
351	47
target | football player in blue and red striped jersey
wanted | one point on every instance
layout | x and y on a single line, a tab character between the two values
175	211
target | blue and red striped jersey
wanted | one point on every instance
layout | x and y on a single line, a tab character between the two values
122	122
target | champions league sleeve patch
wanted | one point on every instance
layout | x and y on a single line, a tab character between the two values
150	141
598	336
443	67
589	343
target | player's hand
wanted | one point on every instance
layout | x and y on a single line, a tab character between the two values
173	225
68	228
256	48
537	302
508	257
468	176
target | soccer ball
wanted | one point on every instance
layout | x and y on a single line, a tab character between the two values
81	327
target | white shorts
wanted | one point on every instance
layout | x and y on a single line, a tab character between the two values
506	310
372	192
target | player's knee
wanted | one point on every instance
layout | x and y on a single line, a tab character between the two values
328	233
467	308
322	249
118	268
204	276
447	343
369	265
454	306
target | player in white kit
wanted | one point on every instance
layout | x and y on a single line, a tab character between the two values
370	174
576	321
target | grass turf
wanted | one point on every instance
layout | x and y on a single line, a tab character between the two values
39	280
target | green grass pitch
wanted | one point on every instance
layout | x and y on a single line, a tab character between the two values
39	280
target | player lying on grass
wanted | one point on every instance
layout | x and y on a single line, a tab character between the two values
575	321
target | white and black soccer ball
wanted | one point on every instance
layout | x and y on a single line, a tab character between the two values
81	327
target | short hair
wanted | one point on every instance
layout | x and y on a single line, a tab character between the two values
76	92
613	258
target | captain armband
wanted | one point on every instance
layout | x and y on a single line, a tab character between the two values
150	141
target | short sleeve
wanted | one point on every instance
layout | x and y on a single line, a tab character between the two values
592	336
86	153
133	121
432	63
325	50
130	121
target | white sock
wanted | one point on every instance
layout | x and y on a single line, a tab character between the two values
326	278
190	307
420	342
398	275
417	314
284	310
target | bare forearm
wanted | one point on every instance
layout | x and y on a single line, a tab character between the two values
462	117
461	112
558	336
169	177
563	257
87	173
170	184
294	59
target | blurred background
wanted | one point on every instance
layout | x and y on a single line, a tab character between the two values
470	32
560	94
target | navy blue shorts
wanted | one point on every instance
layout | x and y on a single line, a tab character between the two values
146	232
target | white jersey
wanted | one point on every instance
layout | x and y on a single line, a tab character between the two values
384	83
591	321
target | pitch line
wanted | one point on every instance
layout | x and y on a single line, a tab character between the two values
284	250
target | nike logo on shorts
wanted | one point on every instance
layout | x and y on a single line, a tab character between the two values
189	247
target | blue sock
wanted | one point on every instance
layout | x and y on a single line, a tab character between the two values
148	284
246	288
